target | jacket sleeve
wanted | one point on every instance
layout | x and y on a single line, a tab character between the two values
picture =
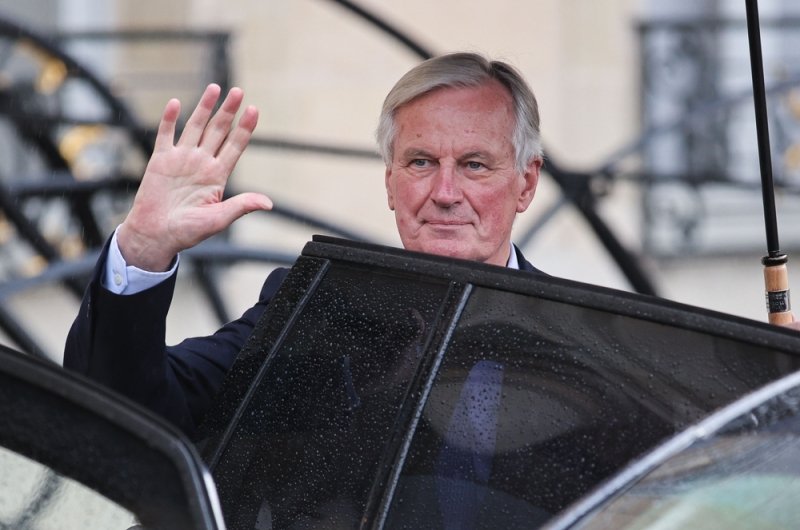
119	341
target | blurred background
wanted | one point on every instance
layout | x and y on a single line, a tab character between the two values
652	180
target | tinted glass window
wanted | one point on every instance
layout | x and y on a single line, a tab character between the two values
86	434
729	482
33	497
745	476
310	440
537	401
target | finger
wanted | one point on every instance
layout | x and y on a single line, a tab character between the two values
238	138
197	121
220	125
165	137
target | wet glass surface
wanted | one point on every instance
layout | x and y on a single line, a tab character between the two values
307	449
537	401
545	388
746	476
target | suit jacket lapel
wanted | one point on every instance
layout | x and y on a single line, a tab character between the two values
525	265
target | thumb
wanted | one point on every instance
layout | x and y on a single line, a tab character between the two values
232	208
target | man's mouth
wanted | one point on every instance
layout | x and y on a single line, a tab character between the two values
445	223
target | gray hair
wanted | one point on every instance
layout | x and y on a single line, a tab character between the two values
460	70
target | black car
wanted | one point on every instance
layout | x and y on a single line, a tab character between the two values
387	389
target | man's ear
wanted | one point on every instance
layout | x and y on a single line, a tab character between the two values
531	179
389	191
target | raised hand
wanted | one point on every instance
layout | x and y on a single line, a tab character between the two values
179	202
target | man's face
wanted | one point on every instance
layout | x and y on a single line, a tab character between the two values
452	182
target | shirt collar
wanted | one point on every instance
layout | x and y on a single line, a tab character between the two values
513	262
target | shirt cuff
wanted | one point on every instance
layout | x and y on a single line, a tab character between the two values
121	278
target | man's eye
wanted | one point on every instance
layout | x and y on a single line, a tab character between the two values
474	165
419	162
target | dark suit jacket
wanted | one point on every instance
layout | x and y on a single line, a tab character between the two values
119	341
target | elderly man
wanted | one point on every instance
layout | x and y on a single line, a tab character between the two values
460	138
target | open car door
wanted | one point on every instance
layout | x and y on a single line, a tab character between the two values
75	456
387	389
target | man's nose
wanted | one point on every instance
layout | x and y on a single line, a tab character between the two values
446	186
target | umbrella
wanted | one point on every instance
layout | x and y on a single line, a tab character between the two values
776	276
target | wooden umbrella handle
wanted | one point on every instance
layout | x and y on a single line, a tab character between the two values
776	280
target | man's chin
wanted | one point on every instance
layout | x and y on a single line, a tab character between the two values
447	248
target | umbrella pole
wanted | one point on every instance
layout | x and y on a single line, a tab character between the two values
776	275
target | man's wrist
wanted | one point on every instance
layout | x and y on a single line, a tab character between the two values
121	278
141	252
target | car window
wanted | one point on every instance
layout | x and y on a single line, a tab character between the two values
726	483
311	437
737	469
34	497
68	446
536	402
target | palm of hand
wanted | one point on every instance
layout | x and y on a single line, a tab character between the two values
180	200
